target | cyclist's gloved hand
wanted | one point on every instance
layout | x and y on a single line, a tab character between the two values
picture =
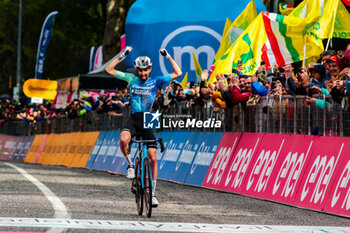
125	52
164	53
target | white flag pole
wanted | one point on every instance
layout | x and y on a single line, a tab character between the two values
329	39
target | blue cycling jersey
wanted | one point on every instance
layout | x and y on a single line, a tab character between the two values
142	94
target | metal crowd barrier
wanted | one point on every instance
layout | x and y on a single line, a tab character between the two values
284	114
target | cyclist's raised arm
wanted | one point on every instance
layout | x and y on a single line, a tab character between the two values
110	68
177	71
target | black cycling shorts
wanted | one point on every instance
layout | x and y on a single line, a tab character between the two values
135	125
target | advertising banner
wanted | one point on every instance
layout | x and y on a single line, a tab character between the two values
338	200
28	140
323	166
17	155
98	163
36	148
95	150
43	159
79	150
197	29
222	158
56	144
91	138
44	40
278	166
62	148
207	148
183	164
10	144
45	89
72	149
2	143
111	160
167	164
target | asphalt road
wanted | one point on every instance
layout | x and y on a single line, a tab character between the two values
96	195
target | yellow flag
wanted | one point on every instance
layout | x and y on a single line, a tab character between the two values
225	42
247	49
320	14
242	21
325	25
184	81
197	68
342	23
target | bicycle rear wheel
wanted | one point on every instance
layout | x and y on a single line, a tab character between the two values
138	184
147	179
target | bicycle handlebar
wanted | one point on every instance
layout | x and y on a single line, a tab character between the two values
160	141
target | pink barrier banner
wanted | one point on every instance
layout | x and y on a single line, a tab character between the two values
319	176
242	158
233	167
223	154
276	170
338	200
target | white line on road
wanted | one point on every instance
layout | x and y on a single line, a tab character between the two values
162	226
59	207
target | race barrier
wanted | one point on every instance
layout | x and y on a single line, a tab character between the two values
14	148
306	171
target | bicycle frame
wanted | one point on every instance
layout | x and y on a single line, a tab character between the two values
142	153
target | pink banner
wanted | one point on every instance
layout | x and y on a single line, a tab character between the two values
319	175
277	168
221	158
242	158
234	167
338	200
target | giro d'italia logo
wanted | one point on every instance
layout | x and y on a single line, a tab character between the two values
151	120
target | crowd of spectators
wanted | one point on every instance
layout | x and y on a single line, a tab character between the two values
110	104
330	77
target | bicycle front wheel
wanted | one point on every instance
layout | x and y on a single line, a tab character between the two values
138	184
147	179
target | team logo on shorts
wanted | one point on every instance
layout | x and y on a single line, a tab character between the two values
151	120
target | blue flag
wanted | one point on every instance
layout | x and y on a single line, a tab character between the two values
44	40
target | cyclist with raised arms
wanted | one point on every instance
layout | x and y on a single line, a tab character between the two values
143	89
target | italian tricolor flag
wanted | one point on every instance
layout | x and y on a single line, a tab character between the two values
287	41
